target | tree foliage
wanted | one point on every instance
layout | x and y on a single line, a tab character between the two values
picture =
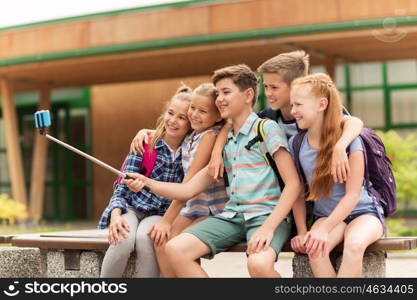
11	211
403	154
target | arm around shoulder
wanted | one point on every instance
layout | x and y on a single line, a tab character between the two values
352	127
340	165
141	137
292	188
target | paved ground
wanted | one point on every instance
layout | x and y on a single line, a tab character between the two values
234	265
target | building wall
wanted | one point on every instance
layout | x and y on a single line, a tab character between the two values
221	17
118	112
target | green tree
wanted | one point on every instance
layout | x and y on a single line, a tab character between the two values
403	154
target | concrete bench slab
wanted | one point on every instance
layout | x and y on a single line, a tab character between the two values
80	253
18	262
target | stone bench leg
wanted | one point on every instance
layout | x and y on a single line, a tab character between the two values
81	264
16	262
73	264
373	264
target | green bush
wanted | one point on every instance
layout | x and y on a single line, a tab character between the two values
403	154
11	211
396	227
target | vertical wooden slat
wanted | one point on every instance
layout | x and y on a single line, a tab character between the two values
39	162
14	155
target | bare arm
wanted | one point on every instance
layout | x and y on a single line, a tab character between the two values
291	191
118	227
340	164
352	127
140	138
200	160
216	165
263	236
353	189
180	191
300	214
184	191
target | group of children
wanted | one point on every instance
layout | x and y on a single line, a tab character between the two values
208	139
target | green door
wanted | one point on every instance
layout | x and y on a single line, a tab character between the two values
68	183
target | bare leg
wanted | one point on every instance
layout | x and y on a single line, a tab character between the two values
183	251
179	224
359	234
322	266
261	265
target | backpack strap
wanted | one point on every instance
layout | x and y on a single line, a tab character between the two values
225	178
260	138
296	145
367	180
148	161
267	156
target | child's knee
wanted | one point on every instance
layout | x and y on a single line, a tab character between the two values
142	237
319	258
182	248
260	263
353	249
173	249
121	249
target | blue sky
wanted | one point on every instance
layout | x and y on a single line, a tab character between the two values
15	12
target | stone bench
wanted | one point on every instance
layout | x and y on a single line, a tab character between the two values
80	254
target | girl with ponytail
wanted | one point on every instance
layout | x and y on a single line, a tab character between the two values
130	215
342	211
206	121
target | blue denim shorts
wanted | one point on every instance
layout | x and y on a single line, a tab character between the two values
352	217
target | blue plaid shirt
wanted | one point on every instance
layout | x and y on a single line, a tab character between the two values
165	169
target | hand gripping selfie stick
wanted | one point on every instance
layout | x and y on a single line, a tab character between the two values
43	120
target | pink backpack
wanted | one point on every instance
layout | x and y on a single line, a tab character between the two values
146	167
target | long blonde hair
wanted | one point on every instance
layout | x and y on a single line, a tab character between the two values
322	86
183	93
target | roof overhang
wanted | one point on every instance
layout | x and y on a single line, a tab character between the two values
352	41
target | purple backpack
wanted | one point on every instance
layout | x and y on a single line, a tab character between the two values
379	178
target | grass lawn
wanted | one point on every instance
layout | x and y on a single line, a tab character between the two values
42	226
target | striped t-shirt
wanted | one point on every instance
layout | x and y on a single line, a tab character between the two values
211	201
253	186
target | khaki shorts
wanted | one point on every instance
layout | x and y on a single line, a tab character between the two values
220	233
